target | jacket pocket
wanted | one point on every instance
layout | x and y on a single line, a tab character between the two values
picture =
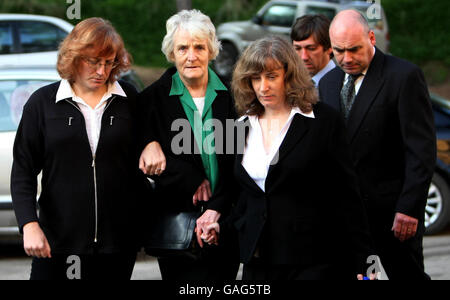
63	132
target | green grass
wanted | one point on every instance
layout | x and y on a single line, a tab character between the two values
419	30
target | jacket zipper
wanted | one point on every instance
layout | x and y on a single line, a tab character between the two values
95	173
95	198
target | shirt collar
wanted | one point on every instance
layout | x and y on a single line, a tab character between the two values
65	91
330	66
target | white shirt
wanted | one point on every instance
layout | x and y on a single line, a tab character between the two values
92	116
316	78
255	159
200	103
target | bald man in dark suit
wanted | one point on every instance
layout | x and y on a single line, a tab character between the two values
385	103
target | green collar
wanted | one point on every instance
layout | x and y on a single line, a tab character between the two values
214	83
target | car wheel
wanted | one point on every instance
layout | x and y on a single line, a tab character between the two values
224	62
437	210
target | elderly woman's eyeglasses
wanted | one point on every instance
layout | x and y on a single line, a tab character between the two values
95	63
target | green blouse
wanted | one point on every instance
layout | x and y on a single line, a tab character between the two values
202	125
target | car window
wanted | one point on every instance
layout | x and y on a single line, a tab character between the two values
6	38
39	36
326	11
13	96
280	15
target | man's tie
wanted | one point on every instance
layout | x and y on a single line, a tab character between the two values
348	95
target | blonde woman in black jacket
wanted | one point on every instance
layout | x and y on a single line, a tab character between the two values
80	133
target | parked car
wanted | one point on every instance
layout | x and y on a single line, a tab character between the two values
437	212
30	40
277	17
16	86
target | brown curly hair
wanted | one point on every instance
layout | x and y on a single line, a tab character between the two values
257	58
93	35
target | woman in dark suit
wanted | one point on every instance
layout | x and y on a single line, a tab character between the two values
194	172
299	214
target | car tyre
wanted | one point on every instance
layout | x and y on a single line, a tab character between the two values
225	61
437	211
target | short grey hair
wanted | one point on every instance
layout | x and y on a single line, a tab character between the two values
197	24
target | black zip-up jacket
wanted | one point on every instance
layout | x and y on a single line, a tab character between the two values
87	201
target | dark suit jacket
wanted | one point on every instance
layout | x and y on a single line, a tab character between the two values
311	213
184	172
391	134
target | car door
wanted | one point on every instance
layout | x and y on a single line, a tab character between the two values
276	19
13	96
8	44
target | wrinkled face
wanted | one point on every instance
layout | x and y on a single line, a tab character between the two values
191	56
352	48
312	54
93	72
269	86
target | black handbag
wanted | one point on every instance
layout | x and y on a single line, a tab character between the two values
171	234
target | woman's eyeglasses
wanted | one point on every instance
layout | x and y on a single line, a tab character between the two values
95	63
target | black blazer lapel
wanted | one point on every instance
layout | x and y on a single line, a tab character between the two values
240	141
299	127
333	88
220	108
368	92
243	177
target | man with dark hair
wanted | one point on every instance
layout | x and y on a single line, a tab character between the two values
312	43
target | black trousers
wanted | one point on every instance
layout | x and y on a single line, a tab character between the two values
84	267
215	264
257	269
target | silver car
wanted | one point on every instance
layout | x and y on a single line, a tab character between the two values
30	40
277	18
16	85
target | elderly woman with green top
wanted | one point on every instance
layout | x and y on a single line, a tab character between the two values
184	154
